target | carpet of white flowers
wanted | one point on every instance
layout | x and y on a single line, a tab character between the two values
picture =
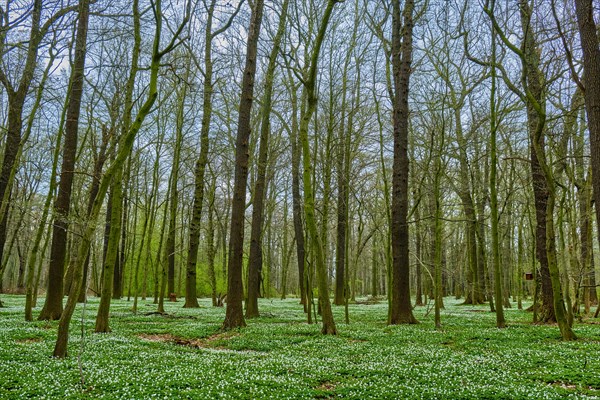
279	356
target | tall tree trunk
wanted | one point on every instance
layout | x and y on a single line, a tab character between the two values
191	298
34	255
134	228
102	317
540	191
588	35
401	307
96	175
500	321
160	279
53	307
520	261
118	275
343	167
255	260
210	243
388	207
286	249
324	152
438	225
474	294
149	217
234	316
375	268
297	201
543	193
316	244
543	177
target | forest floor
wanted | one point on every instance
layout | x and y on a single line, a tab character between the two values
184	355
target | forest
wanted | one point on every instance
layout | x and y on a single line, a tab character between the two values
239	186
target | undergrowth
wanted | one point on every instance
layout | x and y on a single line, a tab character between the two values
183	355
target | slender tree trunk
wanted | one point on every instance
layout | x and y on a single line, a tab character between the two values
286	249
160	280
255	260
543	176
541	189
388	213
97	174
520	261
102	317
438	226
323	151
316	244
31	292
38	275
374	268
170	244
297	202
585	232
401	307
343	168
474	294
500	321
211	250
53	307
588	35
191	298
134	228
200	169
121	257
234	316
149	215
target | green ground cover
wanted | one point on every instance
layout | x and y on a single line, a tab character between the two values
278	356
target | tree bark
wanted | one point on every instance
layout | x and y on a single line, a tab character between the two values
121	257
475	293
328	327
297	202
500	320
191	298
588	35
343	168
401	307
536	110
234	316
211	250
96	176
102	317
53	307
255	259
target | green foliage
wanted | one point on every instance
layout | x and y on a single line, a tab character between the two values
183	355
203	280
